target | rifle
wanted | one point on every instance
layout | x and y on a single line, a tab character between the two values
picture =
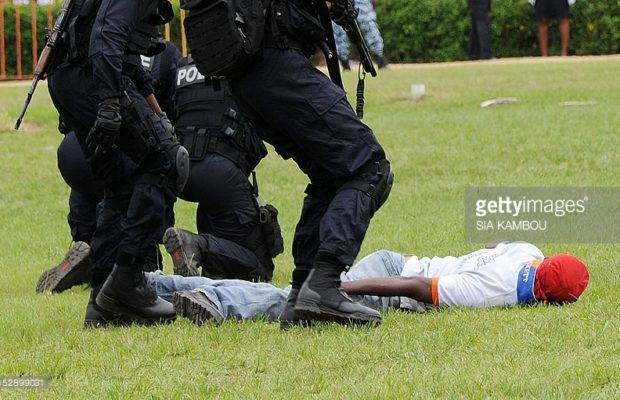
352	29
46	55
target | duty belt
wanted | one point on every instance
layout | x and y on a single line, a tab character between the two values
199	141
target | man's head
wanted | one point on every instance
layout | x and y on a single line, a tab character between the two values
561	278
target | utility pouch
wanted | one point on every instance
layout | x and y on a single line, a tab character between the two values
268	216
254	146
304	26
224	36
140	135
195	140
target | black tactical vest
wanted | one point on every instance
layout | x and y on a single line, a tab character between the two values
208	119
143	40
76	39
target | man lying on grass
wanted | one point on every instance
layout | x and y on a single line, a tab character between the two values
504	274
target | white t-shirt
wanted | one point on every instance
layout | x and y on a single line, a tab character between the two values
503	276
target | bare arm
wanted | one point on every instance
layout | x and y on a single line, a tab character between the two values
416	288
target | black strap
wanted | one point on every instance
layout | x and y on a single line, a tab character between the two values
199	141
332	62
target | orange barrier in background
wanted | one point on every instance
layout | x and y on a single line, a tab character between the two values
33	30
18	42
2	46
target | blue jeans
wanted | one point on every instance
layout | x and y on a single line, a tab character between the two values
248	300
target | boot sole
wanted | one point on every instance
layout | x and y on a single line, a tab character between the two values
174	246
187	306
73	271
131	317
317	312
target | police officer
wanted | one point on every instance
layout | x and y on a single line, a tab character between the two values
233	241
101	90
307	117
87	192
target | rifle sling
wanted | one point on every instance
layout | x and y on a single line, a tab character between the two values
332	64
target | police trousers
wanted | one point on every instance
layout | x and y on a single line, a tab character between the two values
306	117
228	218
145	206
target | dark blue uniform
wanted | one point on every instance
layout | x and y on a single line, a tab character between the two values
142	173
307	117
86	191
220	143
163	69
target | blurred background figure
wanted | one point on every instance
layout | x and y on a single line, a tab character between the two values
546	9
480	32
367	20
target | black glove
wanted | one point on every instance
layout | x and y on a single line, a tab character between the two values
343	11
106	130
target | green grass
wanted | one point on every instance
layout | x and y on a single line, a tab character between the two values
438	146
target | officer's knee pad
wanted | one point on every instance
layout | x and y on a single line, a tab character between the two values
384	187
168	168
378	187
175	171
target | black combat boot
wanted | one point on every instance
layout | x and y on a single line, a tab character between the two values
196	306
322	299
72	271
96	317
126	292
186	249
288	317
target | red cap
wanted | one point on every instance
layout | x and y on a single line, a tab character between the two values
561	278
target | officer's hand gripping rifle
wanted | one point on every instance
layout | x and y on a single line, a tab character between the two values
46	55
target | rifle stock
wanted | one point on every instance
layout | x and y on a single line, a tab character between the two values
46	56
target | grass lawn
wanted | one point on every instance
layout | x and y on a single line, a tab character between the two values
438	147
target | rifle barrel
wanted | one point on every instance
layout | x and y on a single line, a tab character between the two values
20	118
